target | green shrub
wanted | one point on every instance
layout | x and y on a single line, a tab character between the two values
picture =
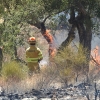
70	63
13	71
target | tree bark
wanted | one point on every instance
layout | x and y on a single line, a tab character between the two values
50	40
1	58
88	42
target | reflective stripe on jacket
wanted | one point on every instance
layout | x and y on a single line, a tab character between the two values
32	59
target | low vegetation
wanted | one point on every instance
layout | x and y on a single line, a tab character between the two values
66	67
13	71
70	63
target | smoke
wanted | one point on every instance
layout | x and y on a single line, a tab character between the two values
61	35
95	41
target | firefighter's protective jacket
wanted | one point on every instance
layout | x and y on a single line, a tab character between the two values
33	56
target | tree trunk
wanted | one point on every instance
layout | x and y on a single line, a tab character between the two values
85	35
71	34
15	52
49	38
88	41
1	58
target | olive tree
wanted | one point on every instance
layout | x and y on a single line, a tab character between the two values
36	12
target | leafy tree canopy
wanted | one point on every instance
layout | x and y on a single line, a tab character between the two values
16	13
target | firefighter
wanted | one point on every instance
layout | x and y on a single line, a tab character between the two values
33	56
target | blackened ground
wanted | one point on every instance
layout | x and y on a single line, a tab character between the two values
83	91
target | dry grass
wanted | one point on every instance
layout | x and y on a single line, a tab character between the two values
63	68
38	81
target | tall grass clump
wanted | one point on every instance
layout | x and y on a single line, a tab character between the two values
46	77
70	63
13	71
